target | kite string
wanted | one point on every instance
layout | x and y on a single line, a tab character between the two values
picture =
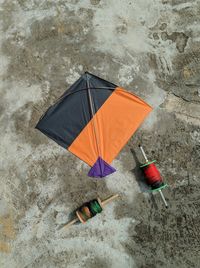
93	121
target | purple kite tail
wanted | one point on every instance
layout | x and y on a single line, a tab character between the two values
101	169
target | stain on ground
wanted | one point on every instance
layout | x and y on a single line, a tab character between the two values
179	38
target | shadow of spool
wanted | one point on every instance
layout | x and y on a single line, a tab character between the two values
153	200
138	174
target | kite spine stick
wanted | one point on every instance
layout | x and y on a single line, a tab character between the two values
93	113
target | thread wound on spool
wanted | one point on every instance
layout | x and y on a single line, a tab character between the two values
152	176
86	212
89	210
95	207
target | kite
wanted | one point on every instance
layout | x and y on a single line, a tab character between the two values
94	119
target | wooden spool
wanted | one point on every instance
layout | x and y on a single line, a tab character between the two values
79	218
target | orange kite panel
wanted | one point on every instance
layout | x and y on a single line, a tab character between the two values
110	128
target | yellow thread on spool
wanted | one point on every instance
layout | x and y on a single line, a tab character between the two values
86	211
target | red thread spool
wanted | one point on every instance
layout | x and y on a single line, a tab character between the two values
152	174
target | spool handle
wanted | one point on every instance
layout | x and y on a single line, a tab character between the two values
163	198
109	199
71	222
143	153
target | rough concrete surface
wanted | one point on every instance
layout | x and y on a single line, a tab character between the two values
151	48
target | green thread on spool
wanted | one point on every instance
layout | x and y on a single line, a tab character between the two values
97	206
94	207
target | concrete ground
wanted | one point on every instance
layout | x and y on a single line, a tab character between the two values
151	48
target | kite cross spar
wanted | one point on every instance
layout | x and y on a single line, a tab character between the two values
152	176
